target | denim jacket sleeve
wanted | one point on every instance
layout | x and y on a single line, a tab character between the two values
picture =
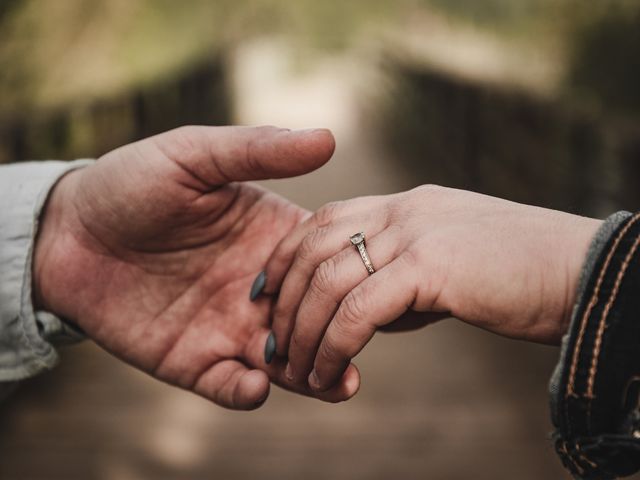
27	338
595	389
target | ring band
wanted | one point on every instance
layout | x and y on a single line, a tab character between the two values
357	241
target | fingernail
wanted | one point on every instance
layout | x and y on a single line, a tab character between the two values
258	285
260	402
288	372
269	348
314	381
304	131
352	386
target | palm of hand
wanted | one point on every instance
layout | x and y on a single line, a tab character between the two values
181	308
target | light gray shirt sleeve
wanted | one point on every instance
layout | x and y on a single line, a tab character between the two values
27	338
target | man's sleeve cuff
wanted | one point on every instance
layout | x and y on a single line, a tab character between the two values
27	338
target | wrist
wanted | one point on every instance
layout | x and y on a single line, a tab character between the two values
52	251
585	230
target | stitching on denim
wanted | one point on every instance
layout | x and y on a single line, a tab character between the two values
577	466
587	461
584	457
568	456
593	370
592	303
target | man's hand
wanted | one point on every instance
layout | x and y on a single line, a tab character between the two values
152	251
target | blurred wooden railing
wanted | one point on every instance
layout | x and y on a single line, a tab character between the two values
510	143
198	95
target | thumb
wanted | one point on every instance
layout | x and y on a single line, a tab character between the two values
231	384
219	155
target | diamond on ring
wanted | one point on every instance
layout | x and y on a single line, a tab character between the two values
357	238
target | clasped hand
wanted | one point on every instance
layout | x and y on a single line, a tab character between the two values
509	268
153	249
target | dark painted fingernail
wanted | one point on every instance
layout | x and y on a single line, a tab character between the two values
258	285
270	348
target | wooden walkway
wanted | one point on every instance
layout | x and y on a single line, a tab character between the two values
446	403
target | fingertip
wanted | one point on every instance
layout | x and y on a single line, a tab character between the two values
320	142
276	267
269	348
313	381
252	390
351	381
257	287
326	140
347	387
258	348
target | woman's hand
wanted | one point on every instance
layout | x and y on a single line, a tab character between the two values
152	249
509	268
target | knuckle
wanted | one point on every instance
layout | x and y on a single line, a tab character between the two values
185	130
417	195
416	259
329	349
252	158
254	139
280	312
267	130
324	277
298	343
397	230
188	137
352	312
389	213
395	219
310	245
328	213
412	256
182	132
428	188
181	142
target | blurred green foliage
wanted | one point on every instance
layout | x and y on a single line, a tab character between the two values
80	76
59	52
55	52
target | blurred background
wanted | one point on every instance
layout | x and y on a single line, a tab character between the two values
533	100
